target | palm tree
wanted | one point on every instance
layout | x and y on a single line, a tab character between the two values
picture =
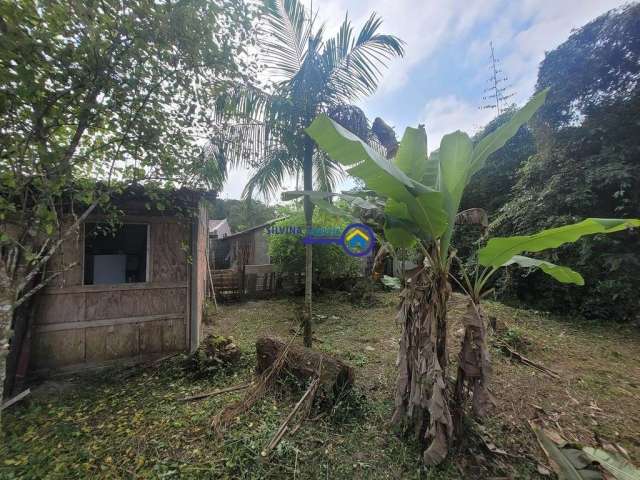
314	76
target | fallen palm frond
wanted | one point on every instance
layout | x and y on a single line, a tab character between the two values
258	388
304	405
524	360
220	391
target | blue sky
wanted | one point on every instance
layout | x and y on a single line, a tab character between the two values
440	80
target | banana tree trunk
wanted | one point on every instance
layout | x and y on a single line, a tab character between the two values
474	366
422	395
308	249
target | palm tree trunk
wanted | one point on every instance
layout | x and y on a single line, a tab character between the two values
308	249
422	394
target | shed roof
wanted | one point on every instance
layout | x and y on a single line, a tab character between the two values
252	229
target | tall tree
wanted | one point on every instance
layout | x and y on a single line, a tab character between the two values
96	95
315	75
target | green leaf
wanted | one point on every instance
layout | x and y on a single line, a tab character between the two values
412	153
502	249
614	464
499	137
397	225
391	282
562	274
432	206
380	175
362	161
455	165
455	161
332	209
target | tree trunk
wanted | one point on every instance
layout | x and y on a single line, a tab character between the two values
308	249
7	299
474	366
303	363
422	395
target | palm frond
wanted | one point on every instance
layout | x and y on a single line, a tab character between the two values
355	63
270	174
326	172
287	28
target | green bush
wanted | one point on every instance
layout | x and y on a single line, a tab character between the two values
330	262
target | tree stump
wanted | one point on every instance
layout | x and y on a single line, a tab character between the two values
214	352
335	377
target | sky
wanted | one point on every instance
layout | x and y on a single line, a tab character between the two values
441	79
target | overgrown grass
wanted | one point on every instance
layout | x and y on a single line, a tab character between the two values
128	424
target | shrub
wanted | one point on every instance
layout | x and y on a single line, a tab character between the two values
330	262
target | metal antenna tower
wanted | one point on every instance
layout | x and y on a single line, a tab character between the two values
496	94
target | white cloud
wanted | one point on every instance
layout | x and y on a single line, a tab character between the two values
444	115
423	25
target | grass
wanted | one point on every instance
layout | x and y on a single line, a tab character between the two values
128	424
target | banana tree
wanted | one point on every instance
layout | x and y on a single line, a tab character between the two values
474	366
422	195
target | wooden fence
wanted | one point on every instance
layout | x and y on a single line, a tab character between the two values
254	281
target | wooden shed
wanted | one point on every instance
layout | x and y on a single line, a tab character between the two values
136	293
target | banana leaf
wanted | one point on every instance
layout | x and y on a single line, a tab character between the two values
562	274
500	250
613	463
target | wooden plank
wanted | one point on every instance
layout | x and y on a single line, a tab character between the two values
71	251
252	284
173	335
169	260
58	327
150	337
16	399
60	308
120	304
137	219
112	342
57	349
114	287
258	269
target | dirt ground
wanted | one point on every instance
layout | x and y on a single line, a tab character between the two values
129	424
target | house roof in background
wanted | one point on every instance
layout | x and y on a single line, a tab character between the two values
214	224
257	227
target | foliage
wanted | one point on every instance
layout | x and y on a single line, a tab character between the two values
505	251
332	263
242	214
106	92
315	75
599	63
500	251
423	193
586	165
96	96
